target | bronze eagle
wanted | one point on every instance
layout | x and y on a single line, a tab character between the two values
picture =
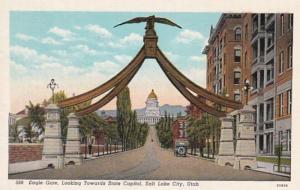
150	20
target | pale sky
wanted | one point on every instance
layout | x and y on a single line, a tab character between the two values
82	50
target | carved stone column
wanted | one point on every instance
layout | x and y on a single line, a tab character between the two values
73	153
245	154
226	152
52	155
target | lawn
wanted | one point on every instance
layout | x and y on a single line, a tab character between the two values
286	161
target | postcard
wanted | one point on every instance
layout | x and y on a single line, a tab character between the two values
101	95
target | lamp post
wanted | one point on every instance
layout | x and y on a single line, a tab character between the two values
85	147
246	89
98	144
52	85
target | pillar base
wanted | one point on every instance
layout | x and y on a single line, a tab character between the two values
52	161
75	159
243	162
224	160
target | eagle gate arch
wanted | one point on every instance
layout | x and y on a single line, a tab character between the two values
151	50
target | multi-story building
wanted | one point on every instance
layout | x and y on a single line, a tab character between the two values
260	73
265	55
283	80
224	57
179	129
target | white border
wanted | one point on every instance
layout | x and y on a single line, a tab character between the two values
148	6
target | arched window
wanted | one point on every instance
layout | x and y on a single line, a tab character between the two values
238	34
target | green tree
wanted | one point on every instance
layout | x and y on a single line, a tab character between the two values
196	131
164	131
36	115
123	115
14	133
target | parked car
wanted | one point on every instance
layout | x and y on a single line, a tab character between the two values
180	148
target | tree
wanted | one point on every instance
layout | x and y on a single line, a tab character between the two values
164	131
123	115
278	153
30	133
14	133
197	133
36	114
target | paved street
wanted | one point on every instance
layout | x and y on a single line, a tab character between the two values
148	162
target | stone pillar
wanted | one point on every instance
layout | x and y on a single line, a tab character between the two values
245	156
225	156
265	143
257	143
73	153
52	155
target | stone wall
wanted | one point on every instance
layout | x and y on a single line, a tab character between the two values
25	152
19	152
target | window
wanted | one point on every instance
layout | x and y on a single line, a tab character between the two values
280	137
254	22
281	104
281	24
289	94
180	133
238	33
237	77
262	21
237	55
246	31
245	59
261	113
270	109
220	85
290	20
290	56
261	78
237	97
281	62
270	71
289	139
254	81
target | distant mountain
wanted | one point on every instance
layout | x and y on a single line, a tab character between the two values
170	109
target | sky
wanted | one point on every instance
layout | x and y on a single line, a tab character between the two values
82	50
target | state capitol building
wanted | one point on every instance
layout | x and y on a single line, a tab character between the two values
152	113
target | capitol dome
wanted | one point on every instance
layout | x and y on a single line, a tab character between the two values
152	95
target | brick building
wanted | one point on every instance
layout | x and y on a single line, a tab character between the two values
179	127
193	111
258	48
224	57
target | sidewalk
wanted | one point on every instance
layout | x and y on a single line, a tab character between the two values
265	167
268	168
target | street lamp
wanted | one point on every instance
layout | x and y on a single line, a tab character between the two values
246	89
52	85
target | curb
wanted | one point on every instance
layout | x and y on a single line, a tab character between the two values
112	154
202	158
277	174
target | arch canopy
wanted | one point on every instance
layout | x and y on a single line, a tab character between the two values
184	85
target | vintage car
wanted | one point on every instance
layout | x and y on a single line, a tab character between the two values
180	148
